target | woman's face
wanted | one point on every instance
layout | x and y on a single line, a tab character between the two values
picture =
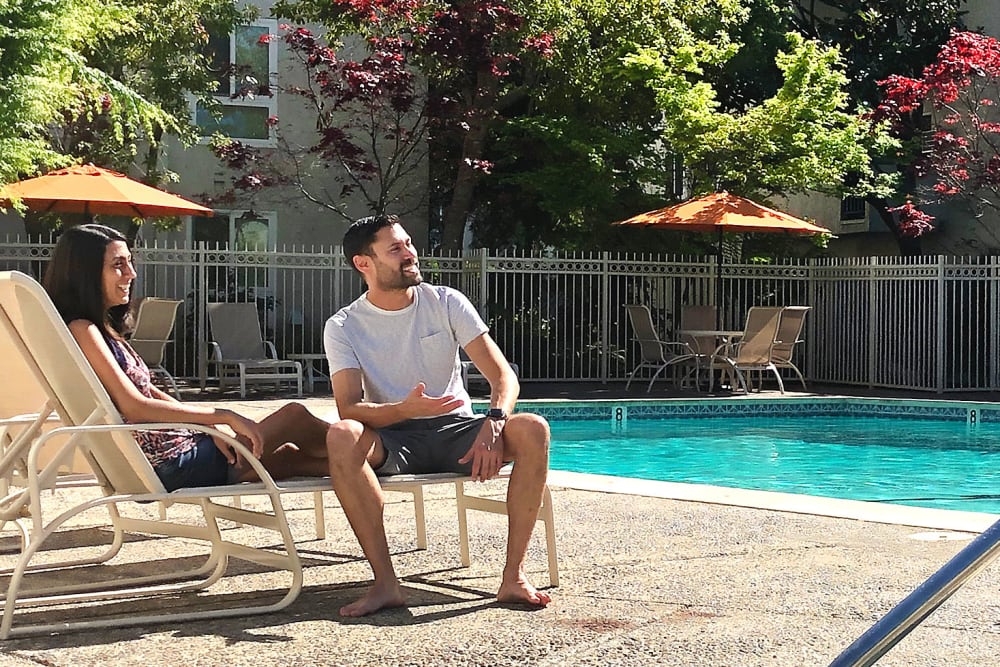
118	274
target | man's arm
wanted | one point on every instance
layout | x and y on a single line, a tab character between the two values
347	392
504	387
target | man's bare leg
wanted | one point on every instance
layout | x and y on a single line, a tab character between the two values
526	441
350	445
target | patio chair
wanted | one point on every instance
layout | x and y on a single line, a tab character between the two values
36	334
238	349
790	327
698	318
654	353
471	374
153	324
752	352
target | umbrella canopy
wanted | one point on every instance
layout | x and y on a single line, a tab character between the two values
94	190
723	212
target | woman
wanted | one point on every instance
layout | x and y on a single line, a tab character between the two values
90	280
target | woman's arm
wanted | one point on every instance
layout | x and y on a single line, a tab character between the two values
135	407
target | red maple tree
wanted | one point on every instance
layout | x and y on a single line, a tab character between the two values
959	157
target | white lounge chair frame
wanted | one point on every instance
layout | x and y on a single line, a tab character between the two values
94	428
238	349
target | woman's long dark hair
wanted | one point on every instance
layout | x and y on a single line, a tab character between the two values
74	278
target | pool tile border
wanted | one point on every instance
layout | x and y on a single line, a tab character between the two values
610	410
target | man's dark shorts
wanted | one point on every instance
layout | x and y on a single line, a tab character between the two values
420	446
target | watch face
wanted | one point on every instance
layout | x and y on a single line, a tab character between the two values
496	413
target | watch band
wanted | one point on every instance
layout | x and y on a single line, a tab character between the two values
496	413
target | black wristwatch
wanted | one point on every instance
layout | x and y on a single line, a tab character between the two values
496	413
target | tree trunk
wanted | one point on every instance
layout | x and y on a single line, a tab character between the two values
908	245
479	119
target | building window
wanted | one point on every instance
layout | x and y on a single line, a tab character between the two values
240	231
852	208
244	62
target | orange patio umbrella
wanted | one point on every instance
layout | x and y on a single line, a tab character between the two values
93	191
723	212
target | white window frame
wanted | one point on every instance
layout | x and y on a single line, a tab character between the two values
270	103
234	215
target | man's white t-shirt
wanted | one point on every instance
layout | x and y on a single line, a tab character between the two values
397	349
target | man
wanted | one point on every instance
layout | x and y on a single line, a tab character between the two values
396	378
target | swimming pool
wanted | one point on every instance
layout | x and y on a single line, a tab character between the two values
937	454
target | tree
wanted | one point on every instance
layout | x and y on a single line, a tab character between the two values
466	51
880	38
961	158
101	81
370	128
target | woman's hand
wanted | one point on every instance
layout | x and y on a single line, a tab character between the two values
247	431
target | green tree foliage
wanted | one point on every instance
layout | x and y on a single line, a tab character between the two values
98	81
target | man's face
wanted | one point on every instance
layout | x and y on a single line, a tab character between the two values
395	259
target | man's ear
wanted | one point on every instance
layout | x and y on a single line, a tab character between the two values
361	262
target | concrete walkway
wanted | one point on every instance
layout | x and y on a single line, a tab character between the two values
645	581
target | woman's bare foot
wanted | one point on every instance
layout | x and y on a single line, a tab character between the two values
517	589
379	596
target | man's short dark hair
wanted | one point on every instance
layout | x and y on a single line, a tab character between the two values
360	236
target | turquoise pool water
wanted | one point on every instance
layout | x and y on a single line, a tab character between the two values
921	462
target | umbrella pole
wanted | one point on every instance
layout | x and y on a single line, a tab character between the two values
718	281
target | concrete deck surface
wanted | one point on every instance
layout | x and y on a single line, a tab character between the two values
644	581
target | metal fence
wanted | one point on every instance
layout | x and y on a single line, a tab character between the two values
924	323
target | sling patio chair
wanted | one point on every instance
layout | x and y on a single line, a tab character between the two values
752	351
790	327
654	353
238	349
698	318
153	323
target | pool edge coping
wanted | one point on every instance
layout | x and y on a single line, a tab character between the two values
888	513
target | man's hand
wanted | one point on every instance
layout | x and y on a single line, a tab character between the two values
418	404
486	452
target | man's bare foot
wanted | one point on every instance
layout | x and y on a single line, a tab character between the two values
379	596
518	589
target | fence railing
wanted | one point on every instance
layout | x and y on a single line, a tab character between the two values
927	323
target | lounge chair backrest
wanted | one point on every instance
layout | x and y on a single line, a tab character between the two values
35	332
153	324
645	333
790	326
699	318
236	329
758	335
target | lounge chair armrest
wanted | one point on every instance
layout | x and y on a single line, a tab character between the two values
269	350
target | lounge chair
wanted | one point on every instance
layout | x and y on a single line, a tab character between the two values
654	353
238	349
153	324
32	332
790	327
752	352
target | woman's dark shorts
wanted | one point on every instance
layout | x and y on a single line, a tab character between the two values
202	465
420	446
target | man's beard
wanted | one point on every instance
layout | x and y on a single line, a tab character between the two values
400	280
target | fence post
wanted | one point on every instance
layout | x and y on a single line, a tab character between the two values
994	323
200	312
605	316
483	281
872	319
939	339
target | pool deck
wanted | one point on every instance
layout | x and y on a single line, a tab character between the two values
651	574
